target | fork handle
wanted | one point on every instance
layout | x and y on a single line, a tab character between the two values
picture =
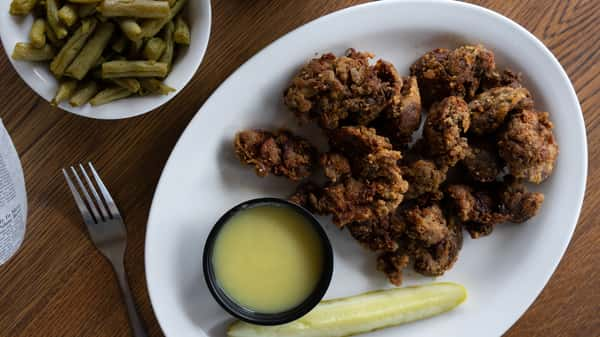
134	319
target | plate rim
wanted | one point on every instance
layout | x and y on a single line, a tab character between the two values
572	97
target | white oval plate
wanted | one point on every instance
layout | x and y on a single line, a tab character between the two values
202	179
38	77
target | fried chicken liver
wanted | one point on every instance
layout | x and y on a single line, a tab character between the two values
280	153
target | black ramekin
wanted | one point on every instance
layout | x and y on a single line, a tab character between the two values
246	314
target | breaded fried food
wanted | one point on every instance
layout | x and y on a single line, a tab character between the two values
357	141
335	166
490	108
361	199
459	72
379	234
402	117
342	90
392	264
480	210
505	78
280	153
376	186
307	195
521	204
482	162
484	207
429	260
444	130
423	177
528	146
426	224
435	260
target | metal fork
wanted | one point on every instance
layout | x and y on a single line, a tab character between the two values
107	231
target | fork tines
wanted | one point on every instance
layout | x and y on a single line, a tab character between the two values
98	209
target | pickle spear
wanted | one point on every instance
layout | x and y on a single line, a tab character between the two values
363	313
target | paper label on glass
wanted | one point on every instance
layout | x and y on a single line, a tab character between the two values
13	198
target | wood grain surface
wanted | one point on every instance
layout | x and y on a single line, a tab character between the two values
59	285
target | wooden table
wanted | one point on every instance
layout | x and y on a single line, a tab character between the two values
59	285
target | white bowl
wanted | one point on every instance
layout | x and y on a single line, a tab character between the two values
38	77
503	272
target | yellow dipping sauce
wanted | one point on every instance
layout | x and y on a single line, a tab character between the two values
267	258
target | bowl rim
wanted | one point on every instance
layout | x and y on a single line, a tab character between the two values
247	315
84	111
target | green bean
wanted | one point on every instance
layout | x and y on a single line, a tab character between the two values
22	7
37	34
65	91
182	31
109	95
131	29
167	56
120	69
135	48
152	27
85	2
68	15
154	86
135	8
84	94
92	51
53	19
130	84
171	2
26	52
73	46
86	10
154	48
54	41
120	44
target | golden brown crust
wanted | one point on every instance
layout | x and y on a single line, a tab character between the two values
342	90
482	161
444	128
280	153
528	146
490	108
402	117
423	177
426	224
459	72
392	264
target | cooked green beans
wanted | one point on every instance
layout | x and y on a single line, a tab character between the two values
86	10
154	48
120	44
53	19
154	86
152	27
84	94
110	94
37	34
131	29
182	31
65	91
120	69
26	52
135	8
103	50
167	56
130	84
72	48
22	7
68	15
92	51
